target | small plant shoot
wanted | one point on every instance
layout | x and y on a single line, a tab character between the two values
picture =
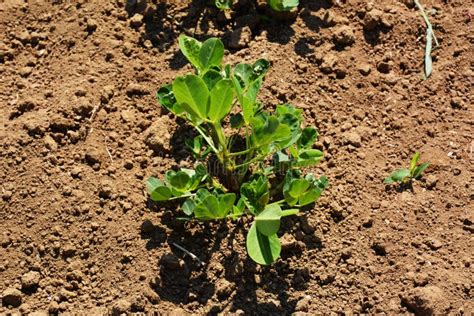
248	160
405	176
277	5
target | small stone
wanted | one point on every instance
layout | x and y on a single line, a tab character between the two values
11	297
421	279
343	36
288	242
372	19
328	63
106	189
240	37
91	26
431	181
434	244
93	156
364	69
367	222
136	20
121	306
353	139
50	143
428	300
157	136
136	89
151	296
106	94
69	250
457	103
346	253
30	280
25	71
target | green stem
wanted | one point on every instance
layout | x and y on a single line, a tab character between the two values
289	212
239	153
207	139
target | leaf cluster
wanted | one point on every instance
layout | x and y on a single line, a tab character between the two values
258	152
407	175
277	5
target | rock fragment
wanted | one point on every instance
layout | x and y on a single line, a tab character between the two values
30	280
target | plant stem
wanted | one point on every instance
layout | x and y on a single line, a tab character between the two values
239	153
289	212
207	139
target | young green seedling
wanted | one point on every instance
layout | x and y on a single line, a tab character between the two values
406	175
249	158
277	5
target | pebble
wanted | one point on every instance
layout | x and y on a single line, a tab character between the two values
426	300
353	139
157	136
372	19
11	297
136	89
25	71
434	244
30	280
431	181
50	143
364	69
93	156
303	304
136	20
343	36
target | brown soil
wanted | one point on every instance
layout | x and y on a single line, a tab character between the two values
81	131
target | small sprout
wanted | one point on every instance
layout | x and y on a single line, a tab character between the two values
407	175
257	166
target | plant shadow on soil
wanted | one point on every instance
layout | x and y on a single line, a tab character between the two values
182	279
199	15
223	264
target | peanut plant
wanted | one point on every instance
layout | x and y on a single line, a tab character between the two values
405	176
247	159
277	5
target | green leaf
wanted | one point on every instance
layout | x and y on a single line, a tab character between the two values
262	249
222	96
283	5
188	207
179	180
268	221
414	162
255	193
208	209
298	187
307	138
226	202
310	196
190	48
211	77
158	191
167	100
223	4
419	170
211	53
192	94
397	176
308	157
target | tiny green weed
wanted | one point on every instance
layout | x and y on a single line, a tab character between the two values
406	175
